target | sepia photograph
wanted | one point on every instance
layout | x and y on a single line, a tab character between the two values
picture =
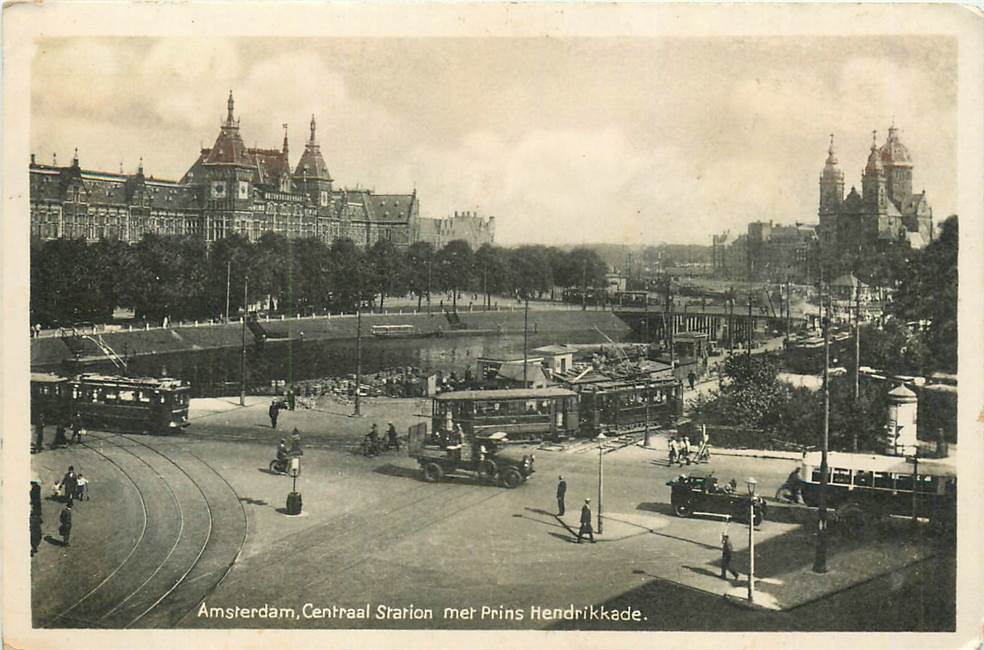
433	322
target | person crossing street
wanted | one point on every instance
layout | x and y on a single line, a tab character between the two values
561	492
65	524
726	551
585	528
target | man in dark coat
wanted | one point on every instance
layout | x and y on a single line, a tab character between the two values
393	439
35	529
274	413
70	483
65	521
726	558
586	522
561	492
39	434
291	399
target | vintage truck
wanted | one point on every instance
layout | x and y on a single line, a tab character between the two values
487	456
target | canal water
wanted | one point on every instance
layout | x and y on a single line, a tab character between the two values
216	372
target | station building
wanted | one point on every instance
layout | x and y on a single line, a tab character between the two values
230	188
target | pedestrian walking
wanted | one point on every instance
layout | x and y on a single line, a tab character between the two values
561	492
65	524
585	528
274	413
674	451
726	550
77	428
392	439
69	484
39	433
291	399
36	522
295	443
82	488
692	379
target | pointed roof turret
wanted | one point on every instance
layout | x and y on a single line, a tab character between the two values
286	148
229	148
830	170
874	165
312	164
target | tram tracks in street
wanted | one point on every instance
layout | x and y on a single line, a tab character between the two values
146	589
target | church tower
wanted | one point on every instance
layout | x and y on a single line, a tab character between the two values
831	184
873	186
898	168
311	174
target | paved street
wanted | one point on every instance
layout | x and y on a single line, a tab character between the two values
373	532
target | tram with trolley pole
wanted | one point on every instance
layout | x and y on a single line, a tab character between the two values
524	414
112	402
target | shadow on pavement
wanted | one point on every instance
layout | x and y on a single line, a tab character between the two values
398	471
253	502
702	571
267	470
661	508
53	541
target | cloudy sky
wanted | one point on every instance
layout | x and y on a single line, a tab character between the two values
564	140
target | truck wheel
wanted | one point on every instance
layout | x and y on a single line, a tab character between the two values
511	478
681	510
759	516
433	472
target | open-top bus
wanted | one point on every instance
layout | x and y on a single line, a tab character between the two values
522	413
865	487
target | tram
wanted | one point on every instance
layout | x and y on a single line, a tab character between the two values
132	404
521	413
611	406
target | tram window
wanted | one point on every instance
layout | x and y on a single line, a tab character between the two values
93	395
841	476
927	483
127	396
863	478
143	396
903	482
816	477
883	480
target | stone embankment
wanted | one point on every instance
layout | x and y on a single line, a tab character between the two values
50	351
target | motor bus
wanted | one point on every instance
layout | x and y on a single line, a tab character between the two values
865	487
132	404
524	414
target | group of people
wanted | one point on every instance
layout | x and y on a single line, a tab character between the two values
61	440
373	443
682	451
73	486
585	528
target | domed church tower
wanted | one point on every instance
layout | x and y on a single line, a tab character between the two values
831	184
898	168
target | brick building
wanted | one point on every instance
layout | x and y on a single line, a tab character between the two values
468	226
230	188
779	252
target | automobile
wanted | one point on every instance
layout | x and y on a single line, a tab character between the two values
488	457
700	494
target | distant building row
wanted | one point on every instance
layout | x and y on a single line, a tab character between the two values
468	226
229	189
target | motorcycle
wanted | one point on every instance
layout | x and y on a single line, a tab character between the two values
279	466
371	446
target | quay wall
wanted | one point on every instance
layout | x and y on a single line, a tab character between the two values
50	351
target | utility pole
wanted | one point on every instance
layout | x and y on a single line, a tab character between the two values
584	285
751	326
430	264
358	357
601	478
820	559
857	349
242	361
669	306
731	321
789	299
526	337
228	278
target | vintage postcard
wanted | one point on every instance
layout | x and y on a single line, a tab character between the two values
469	325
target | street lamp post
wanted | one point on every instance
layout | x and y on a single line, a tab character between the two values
242	360
751	539
526	338
820	559
601	477
358	358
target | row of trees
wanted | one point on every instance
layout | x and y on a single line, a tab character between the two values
753	398
182	278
